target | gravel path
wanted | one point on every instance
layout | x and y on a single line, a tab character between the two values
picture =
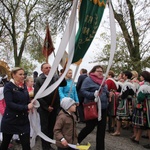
112	143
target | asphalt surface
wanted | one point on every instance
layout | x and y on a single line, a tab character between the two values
121	142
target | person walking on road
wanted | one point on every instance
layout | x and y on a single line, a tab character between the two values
89	89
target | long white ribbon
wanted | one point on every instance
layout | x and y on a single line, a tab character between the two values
112	51
70	30
68	36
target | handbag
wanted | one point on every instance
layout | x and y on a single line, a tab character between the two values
90	111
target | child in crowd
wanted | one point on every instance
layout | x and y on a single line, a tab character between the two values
29	84
65	126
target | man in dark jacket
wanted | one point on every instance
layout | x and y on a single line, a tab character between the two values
49	105
83	75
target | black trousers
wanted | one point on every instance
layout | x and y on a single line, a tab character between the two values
24	140
100	133
47	120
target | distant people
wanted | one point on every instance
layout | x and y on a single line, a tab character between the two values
25	74
141	116
112	107
2	103
120	77
3	80
30	83
134	79
89	90
83	75
15	119
65	127
49	105
124	110
142	80
69	90
61	72
35	75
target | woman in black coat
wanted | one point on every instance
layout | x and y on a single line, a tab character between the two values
15	119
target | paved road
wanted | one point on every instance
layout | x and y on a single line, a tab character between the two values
112	143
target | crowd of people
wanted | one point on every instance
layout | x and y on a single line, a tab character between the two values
124	102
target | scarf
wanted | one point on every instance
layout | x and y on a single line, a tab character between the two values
18	84
97	99
96	79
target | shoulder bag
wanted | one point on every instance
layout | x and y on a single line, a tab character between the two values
90	111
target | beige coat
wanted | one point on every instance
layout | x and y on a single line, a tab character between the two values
65	127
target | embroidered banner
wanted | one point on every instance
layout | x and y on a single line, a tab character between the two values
90	15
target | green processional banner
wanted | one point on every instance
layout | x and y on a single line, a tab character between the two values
90	15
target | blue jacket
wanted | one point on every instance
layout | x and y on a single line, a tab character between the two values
89	87
15	119
69	91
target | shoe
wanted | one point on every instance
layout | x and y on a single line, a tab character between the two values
17	141
125	128
147	146
51	148
115	134
110	130
135	141
10	147
132	137
144	136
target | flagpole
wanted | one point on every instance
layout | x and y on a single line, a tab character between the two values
46	46
46	55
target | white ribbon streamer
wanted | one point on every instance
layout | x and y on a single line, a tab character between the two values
70	29
68	36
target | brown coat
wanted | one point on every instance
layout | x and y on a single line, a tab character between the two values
65	127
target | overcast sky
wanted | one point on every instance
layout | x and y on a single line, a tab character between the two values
89	56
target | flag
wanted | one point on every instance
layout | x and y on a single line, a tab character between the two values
64	60
48	47
90	15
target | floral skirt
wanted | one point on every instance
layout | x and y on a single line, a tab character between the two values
124	110
141	117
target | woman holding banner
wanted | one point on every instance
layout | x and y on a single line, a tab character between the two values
89	91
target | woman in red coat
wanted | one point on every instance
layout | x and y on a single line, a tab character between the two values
112	86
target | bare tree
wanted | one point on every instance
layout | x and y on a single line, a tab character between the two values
133	42
134	21
23	24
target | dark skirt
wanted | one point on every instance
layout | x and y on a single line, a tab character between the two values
141	116
112	106
124	110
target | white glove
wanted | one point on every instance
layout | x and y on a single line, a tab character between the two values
96	93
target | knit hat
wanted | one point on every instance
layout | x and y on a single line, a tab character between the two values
66	103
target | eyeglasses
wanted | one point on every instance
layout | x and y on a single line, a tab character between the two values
99	71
